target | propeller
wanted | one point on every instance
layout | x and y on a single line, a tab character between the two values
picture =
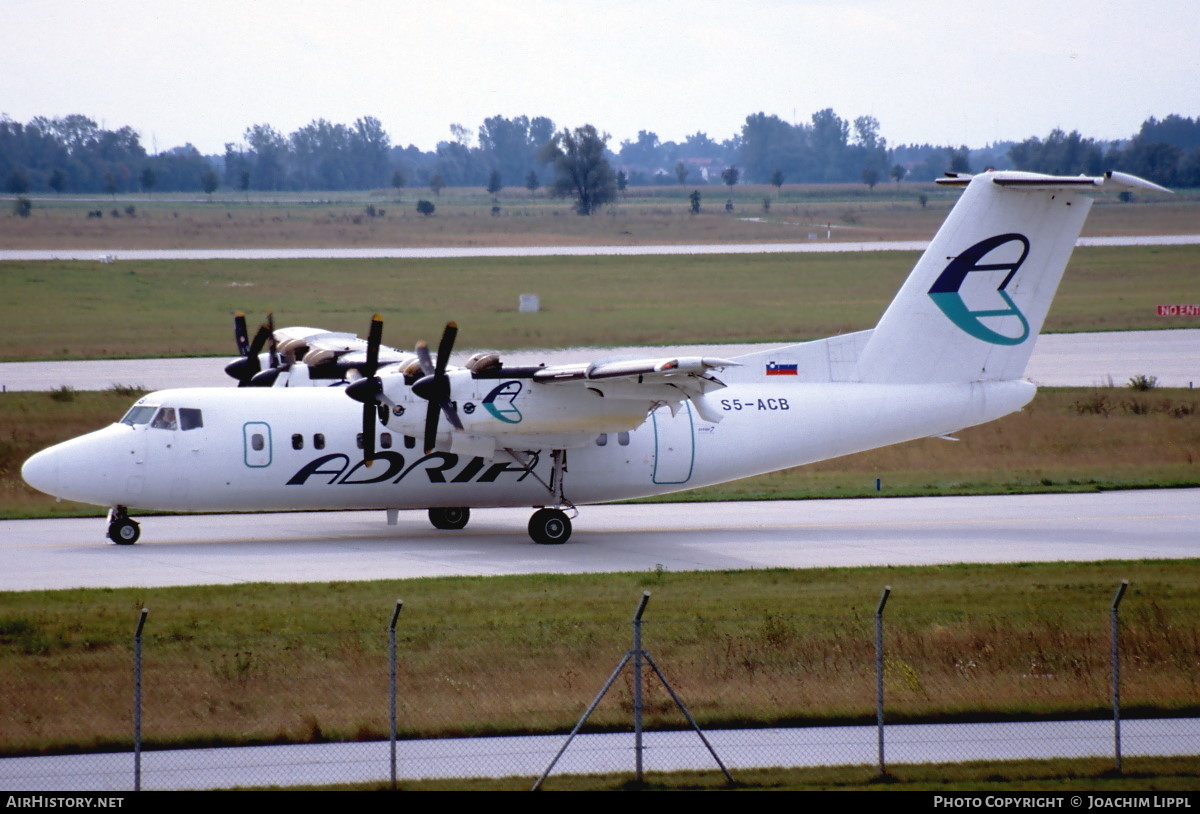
369	389
240	335
434	387
267	377
248	366
274	346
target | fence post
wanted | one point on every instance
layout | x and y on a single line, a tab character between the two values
1115	661
137	701
883	598
637	684
638	657
392	683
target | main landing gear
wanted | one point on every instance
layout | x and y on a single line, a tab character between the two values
122	530
546	527
550	527
450	518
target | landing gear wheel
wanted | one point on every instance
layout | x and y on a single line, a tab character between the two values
124	531
451	518
549	527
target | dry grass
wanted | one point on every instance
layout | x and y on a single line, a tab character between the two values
184	308
1068	439
464	218
301	663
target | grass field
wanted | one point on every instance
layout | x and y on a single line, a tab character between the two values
75	310
464	217
997	778
259	663
185	308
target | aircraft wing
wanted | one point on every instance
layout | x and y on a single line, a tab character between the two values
668	380
662	371
322	346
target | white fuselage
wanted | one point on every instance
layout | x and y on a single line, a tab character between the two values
274	449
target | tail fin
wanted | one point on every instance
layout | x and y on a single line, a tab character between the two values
972	307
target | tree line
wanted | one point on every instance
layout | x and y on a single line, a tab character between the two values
74	154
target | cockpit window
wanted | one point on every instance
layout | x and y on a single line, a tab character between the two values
138	414
190	418
165	420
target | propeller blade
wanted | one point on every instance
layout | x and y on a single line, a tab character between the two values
368	388
368	433
374	337
274	357
435	386
246	368
449	334
451	414
431	422
240	335
422	351
260	339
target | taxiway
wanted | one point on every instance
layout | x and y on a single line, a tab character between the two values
333	546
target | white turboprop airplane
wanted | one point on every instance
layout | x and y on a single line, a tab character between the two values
950	352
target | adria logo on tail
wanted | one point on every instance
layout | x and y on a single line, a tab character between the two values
945	291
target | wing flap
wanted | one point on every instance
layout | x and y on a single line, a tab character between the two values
644	370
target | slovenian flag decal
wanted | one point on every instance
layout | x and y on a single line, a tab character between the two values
776	369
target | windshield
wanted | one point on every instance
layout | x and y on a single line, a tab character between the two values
165	420
139	414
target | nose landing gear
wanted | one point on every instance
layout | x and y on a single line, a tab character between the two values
122	530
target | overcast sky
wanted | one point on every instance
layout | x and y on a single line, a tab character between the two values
938	71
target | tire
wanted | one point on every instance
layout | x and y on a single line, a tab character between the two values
124	532
450	518
549	527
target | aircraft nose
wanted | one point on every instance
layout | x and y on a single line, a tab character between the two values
42	471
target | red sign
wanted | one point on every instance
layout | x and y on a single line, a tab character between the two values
1179	310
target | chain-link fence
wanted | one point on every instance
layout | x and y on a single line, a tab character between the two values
303	708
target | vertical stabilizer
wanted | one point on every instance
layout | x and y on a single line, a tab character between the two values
973	306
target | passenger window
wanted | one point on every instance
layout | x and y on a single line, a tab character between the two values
190	418
602	439
410	442
165	420
256	442
297	441
623	439
319	441
385	440
358	440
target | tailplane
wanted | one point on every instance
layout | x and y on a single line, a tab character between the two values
972	307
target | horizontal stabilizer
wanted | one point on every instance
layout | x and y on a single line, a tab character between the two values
1030	180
